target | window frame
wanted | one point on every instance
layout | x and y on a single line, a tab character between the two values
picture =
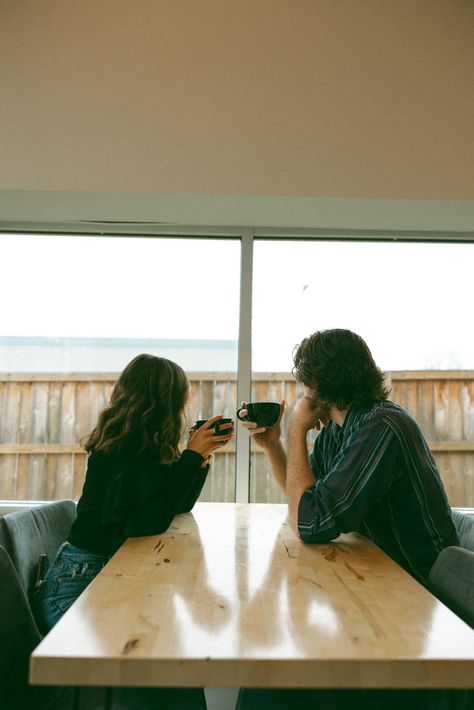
247	235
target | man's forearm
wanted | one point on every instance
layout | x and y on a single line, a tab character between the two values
299	476
277	457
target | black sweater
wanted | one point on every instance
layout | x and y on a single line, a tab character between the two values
125	496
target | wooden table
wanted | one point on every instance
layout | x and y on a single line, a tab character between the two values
229	597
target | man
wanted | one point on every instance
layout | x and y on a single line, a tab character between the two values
370	470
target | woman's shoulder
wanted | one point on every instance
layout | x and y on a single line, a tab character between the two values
123	460
105	459
105	468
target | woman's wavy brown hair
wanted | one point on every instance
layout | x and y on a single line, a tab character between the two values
338	365
145	414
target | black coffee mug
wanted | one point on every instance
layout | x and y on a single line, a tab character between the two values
263	413
221	427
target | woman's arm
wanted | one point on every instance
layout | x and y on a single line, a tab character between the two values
172	489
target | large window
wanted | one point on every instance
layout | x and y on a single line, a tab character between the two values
411	302
230	309
75	311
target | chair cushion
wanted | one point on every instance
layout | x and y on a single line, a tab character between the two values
4	536
18	636
465	526
451	579
34	532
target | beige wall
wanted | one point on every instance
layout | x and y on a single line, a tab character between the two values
317	98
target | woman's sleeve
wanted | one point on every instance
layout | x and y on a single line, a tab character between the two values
195	490
171	489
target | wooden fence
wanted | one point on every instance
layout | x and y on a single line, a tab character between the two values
44	416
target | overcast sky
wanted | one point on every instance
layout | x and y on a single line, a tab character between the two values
411	302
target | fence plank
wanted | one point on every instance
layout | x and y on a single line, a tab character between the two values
37	477
466	498
79	463
40	412
64	476
22	484
458	494
441	409
8	476
206	400
9	416
426	409
68	413
455	417
54	411
467	404
26	416
51	472
405	392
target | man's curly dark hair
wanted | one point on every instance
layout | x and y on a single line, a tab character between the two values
338	365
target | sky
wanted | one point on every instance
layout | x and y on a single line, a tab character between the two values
411	302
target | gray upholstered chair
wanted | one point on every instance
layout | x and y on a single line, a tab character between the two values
4	536
451	578
33	536
18	637
465	526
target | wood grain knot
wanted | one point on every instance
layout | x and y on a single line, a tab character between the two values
354	571
129	646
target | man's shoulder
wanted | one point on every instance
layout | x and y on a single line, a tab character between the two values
389	408
383	413
395	417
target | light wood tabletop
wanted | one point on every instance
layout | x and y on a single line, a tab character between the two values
229	597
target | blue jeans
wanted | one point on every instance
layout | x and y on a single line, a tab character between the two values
71	572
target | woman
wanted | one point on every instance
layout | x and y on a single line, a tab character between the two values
136	481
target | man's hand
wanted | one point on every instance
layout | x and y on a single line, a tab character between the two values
306	416
266	438
269	440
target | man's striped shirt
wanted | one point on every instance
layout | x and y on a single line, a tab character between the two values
376	475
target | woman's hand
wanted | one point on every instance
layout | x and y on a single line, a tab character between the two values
263	436
207	461
204	441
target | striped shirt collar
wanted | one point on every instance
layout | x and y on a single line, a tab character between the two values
354	417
